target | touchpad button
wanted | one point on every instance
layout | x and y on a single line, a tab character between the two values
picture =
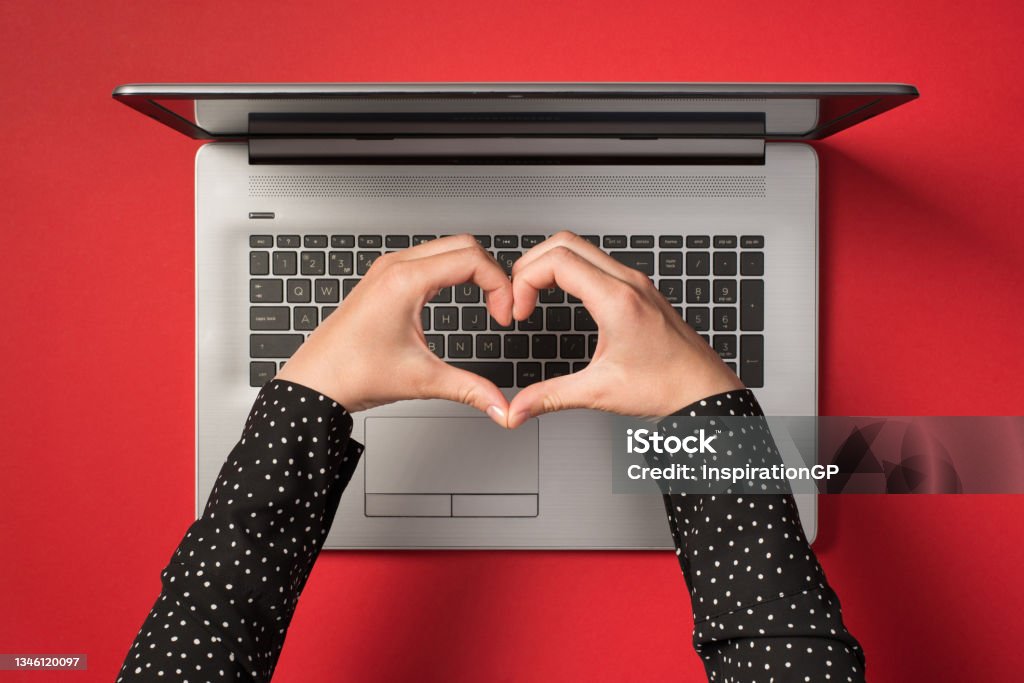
423	455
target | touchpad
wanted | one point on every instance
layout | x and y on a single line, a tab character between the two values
430	466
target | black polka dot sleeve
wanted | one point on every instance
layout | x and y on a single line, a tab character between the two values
762	608
231	587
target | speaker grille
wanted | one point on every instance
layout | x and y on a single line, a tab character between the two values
508	186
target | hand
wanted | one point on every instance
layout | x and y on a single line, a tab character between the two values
372	351
648	362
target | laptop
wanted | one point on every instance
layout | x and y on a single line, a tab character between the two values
709	189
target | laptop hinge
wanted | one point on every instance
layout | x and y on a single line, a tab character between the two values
588	151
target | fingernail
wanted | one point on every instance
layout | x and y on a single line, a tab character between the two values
498	415
517	419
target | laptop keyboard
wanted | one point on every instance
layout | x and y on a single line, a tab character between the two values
716	283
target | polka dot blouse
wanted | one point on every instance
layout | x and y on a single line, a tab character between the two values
762	608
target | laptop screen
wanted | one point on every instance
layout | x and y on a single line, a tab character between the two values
562	110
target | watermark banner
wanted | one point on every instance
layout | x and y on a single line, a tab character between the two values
771	455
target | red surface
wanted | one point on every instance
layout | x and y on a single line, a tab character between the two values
921	278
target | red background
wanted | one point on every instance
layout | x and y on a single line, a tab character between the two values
920	280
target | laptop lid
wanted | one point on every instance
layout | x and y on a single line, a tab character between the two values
480	123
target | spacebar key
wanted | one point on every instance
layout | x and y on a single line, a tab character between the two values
274	345
500	373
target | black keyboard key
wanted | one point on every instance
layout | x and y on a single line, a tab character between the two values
751	263
499	372
483	240
572	299
641	241
261	372
443	296
365	259
531	240
593	239
396	241
339	263
285	263
698	291
752	360
724	319
274	345
670	241
724	291
698	242
288	241
369	242
725	241
425	319
724	345
304	318
261	241
552	370
315	241
559	318
582	320
474	318
751	305
638	260
580	365
467	293
517	346
268	318
446	318
545	346
591	345
326	291
347	286
671	290
326	311
725	263
670	263
527	374
573	346
534	322
731	366
752	242
266	291
506	241
699	318
435	342
498	327
298	291
460	346
698	263
551	295
421	239
312	263
259	263
488	346
615	242
507	259
343	241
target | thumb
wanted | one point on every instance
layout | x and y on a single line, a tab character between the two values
561	393
462	386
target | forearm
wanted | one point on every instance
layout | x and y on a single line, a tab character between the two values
761	602
232	585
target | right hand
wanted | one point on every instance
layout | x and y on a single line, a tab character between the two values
648	362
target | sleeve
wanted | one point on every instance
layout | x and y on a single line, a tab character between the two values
232	585
762	607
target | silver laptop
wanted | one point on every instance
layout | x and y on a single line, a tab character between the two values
706	188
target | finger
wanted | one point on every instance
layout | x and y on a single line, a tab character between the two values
470	264
454	384
587	250
435	246
577	390
565	268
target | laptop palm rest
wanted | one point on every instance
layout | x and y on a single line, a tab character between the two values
450	467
